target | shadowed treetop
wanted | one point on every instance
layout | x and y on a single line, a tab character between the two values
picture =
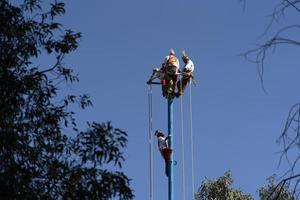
39	159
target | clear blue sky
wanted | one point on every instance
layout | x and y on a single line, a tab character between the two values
235	124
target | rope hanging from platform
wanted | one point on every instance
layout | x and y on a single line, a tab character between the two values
192	140
182	144
150	139
150	118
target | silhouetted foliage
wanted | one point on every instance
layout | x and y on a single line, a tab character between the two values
38	159
220	189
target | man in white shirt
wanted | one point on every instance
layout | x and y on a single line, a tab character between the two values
164	149
187	74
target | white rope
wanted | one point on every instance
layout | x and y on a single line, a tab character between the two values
150	139
192	141
182	144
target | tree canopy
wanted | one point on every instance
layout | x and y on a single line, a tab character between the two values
43	155
220	189
272	191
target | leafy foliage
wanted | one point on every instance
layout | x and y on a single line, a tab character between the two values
38	160
220	189
273	191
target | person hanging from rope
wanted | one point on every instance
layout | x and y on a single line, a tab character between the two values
164	149
171	65
187	74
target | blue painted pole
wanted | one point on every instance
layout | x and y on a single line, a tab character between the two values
170	140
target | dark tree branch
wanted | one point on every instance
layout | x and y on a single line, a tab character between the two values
258	55
59	59
290	137
293	4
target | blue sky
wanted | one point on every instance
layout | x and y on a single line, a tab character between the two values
235	123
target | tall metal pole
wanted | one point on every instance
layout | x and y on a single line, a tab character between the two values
170	140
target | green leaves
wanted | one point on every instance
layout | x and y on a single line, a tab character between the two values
220	189
272	191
